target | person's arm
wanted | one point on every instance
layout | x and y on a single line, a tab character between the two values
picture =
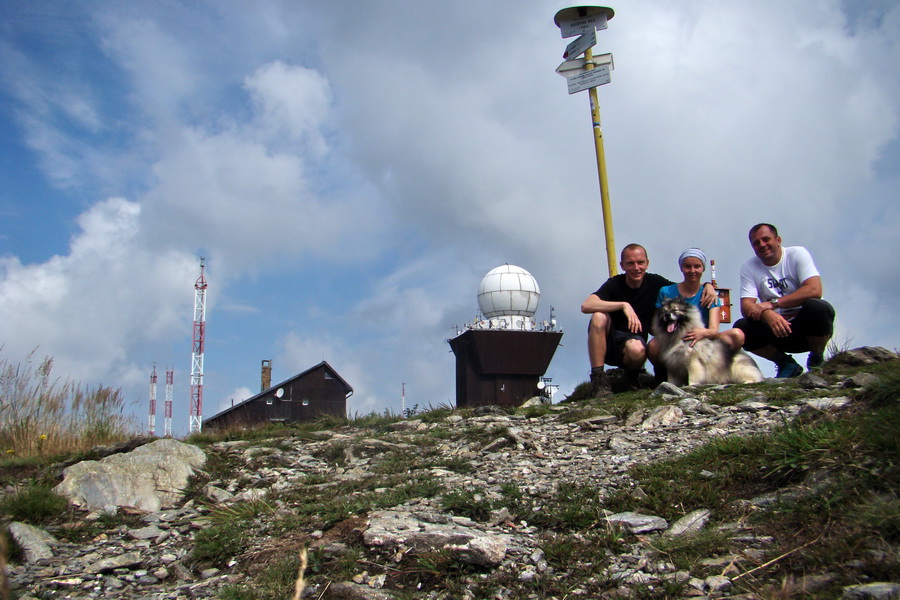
810	288
762	311
594	304
710	295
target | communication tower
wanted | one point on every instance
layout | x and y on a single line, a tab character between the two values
151	424
196	418
167	409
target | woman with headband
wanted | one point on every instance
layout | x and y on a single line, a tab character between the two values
692	263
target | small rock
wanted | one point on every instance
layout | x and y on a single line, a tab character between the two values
693	522
872	591
35	542
717	583
638	523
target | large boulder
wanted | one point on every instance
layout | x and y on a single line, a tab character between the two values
150	477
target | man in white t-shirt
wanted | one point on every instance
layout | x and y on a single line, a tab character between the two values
781	301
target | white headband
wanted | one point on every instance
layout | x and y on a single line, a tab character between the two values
696	253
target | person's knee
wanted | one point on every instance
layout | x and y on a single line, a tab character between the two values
817	317
818	309
599	322
635	352
653	350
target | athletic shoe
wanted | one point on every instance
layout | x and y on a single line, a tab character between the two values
600	385
788	367
815	360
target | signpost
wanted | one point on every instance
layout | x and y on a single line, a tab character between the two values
587	74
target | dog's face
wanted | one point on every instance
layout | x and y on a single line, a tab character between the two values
675	313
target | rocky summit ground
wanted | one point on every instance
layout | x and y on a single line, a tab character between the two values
483	503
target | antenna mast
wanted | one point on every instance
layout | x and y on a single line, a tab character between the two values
196	419
151	424
167	410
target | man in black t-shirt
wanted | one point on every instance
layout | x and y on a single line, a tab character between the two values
621	313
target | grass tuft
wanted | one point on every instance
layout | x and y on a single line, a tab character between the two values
44	416
35	503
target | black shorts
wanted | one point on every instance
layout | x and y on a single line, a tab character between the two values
615	346
815	319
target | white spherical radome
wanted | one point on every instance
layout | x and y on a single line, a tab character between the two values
508	290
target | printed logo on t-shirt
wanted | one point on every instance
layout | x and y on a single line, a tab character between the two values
777	284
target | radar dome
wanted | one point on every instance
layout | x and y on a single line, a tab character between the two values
508	291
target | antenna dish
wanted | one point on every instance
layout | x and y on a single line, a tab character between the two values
279	393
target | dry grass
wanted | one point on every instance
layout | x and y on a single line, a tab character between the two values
43	416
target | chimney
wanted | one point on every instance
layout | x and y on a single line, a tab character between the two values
266	382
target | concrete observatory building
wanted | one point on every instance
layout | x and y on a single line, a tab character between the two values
501	357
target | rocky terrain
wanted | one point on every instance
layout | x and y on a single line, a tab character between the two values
455	504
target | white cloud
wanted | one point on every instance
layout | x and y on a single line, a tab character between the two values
292	101
94	308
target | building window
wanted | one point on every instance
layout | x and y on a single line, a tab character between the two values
306	402
269	401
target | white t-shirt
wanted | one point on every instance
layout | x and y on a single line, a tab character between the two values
767	283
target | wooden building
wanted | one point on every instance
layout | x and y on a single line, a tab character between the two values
315	392
501	367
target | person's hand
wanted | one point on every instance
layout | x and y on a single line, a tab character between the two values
780	326
634	323
695	335
756	311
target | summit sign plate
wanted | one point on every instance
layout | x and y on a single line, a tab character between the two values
578	26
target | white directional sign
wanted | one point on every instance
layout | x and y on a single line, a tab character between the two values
588	79
586	40
570	68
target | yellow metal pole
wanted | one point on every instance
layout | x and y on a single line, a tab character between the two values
601	170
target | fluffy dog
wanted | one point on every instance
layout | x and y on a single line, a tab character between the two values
708	361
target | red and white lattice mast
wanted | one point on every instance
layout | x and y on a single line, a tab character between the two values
196	420
151	422
170	379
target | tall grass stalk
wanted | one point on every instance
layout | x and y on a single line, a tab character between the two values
43	416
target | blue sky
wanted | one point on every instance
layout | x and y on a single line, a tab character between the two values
350	172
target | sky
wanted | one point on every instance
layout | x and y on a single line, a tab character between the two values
351	170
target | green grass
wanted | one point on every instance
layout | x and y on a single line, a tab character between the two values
275	582
34	503
218	543
469	503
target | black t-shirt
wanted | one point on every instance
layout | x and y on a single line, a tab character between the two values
642	299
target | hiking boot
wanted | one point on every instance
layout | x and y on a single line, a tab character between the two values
600	385
815	360
787	367
631	380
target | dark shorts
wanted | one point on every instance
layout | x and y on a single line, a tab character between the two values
815	319
615	346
